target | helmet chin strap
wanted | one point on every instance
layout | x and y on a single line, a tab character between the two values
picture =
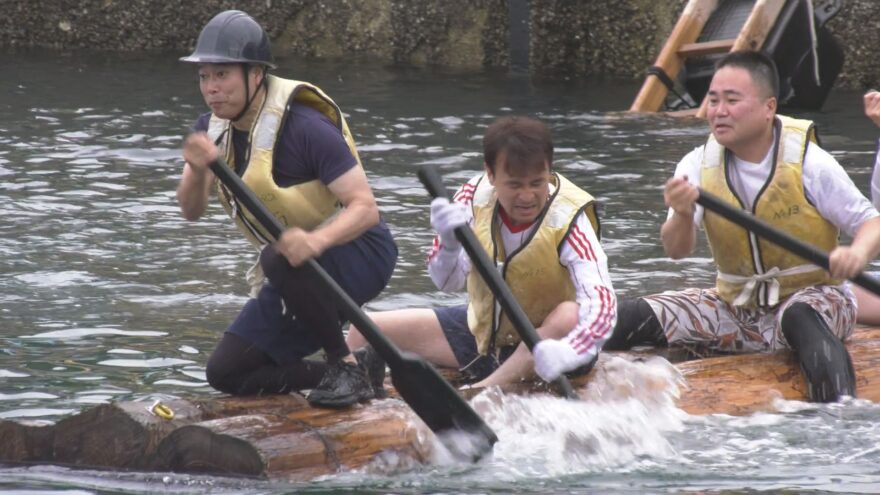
247	91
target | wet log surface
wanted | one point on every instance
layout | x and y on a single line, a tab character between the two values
281	437
748	383
267	437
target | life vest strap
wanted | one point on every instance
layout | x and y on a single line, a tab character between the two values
770	277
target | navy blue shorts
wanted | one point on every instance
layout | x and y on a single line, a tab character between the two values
453	321
362	268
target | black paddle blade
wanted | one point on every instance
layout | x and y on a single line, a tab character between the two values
441	408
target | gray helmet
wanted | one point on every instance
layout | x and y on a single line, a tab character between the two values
232	37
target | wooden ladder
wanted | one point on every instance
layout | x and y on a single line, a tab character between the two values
682	44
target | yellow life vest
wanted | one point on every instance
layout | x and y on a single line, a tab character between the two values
752	271
536	278
304	205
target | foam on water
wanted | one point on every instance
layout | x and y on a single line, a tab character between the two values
80	333
56	279
27	395
12	374
627	411
145	363
35	413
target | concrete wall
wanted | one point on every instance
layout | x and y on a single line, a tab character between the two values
568	38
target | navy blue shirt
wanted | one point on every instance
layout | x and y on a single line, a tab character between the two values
311	147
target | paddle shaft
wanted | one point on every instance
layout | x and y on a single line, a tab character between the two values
778	237
432	181
269	222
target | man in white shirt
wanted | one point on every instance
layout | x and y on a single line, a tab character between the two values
542	233
869	303
765	298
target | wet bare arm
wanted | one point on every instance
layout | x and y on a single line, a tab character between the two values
359	214
849	261
195	183
678	233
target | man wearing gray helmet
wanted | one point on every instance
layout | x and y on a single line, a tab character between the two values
289	142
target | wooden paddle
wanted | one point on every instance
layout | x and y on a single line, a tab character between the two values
432	181
778	237
417	382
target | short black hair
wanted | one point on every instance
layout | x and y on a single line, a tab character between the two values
761	67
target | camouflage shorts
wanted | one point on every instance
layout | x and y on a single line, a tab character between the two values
701	318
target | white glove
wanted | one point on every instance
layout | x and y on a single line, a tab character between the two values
555	357
446	216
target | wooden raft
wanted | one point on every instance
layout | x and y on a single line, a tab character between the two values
281	437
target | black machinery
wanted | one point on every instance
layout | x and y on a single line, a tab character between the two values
789	43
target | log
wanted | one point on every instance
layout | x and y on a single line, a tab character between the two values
272	437
734	384
299	445
745	384
118	435
24	442
121	434
281	437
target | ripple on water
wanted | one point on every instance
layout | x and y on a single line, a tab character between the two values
38	412
56	279
124	351
186	298
106	175
145	363
823	440
74	135
583	165
446	160
93	399
81	333
16	186
385	147
12	374
111	185
182	383
449	122
198	374
27	396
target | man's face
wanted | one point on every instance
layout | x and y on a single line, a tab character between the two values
522	196
222	87
738	112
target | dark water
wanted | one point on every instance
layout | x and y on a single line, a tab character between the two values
107	294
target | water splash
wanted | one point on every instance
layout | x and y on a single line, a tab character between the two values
628	410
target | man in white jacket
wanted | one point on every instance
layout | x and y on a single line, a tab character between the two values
542	232
869	303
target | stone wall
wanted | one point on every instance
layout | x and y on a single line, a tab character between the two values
568	38
857	30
